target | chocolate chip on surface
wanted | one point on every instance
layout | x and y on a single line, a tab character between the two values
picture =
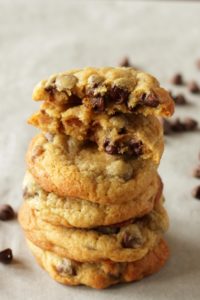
190	124
177	125
196	192
6	212
193	87
179	99
118	95
177	79
131	241
6	256
196	172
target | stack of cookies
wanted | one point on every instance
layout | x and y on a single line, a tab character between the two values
93	206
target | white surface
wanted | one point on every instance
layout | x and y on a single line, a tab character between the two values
38	38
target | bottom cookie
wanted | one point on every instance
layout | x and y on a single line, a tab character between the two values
102	273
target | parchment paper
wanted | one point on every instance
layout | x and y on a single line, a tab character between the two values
38	38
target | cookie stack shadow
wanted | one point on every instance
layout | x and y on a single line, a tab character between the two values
93	209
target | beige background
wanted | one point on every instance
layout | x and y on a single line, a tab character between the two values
38	38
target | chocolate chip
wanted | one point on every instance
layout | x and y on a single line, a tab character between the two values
50	90
196	192
98	104
6	256
198	63
107	229
131	241
193	87
74	100
177	79
135	148
122	130
177	125
179	99
6	212
150	100
166	126
118	95
190	124
196	172
109	148
125	62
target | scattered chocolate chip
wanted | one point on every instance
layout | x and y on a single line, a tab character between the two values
98	104
177	79
74	100
110	149
198	63
130	241
107	229
196	172
193	87
166	126
179	99
177	125
196	192
119	95
190	124
150	100
6	212
49	136
125	62
6	256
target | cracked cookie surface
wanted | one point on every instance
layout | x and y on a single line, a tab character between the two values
75	212
100	274
121	243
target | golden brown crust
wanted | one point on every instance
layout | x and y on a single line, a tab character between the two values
66	169
103	273
73	212
129	243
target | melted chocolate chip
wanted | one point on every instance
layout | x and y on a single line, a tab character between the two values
6	256
150	100
110	149
50	90
118	95
122	130
6	212
107	229
74	100
98	104
131	241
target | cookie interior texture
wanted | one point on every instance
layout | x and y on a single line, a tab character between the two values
75	212
65	167
100	274
109	90
127	242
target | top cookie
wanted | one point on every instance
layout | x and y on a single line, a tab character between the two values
109	90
